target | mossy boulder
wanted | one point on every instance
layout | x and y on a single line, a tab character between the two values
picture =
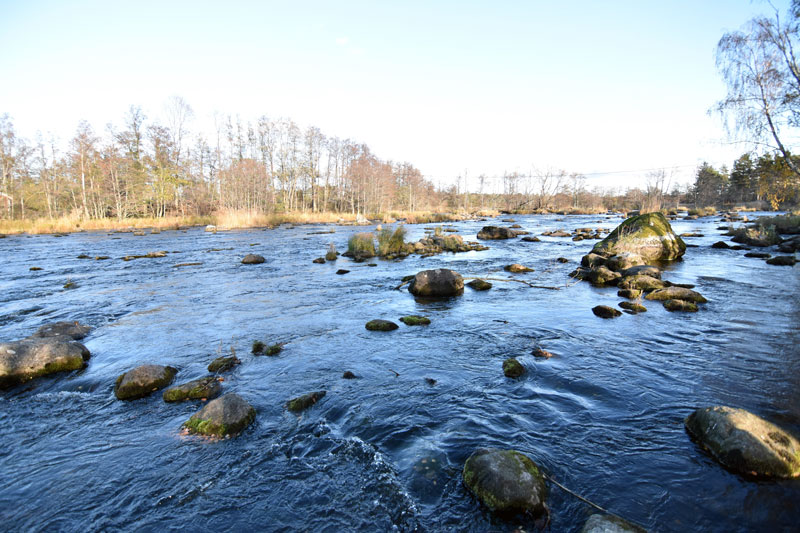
680	305
512	368
633	307
744	442
650	236
437	283
71	330
516	268
143	380
207	387
676	293
479	285
641	282
381	325
604	311
253	259
223	364
414	320
505	481
608	523
496	233
305	401
24	360
225	416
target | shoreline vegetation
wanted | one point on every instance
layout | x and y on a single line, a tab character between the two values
245	219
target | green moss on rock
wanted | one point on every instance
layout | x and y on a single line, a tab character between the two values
649	235
225	416
381	325
223	364
505	481
207	387
305	401
512	368
414	320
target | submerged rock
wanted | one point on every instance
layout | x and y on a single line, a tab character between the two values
381	325
604	311
253	259
479	285
744	442
676	293
72	330
207	387
24	360
505	481
608	523
414	320
225	416
439	282
305	401
496	232
512	368
143	380
649	236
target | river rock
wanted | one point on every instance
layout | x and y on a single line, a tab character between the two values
680	305
631	294
758	255
721	245
225	416
512	368
414	320
744	442
676	293
531	239
633	307
479	285
319	261
649	236
641	282
608	523
624	261
439	282
207	387
496	232
604	311
782	260
24	360
381	325
223	364
305	401
756	236
602	275
143	380
642	270
516	268
539	352
71	330
253	259
790	245
505	481
593	260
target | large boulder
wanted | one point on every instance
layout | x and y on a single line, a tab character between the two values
744	442
439	282
505	481
26	359
649	236
225	416
143	380
496	232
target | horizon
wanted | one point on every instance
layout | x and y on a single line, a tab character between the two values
453	89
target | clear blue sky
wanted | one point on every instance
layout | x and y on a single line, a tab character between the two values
586	86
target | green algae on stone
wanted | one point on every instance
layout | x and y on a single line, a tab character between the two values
258	347
225	416
207	387
744	442
305	401
24	360
414	320
512	368
505	481
381	325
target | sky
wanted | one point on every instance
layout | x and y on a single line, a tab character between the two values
609	89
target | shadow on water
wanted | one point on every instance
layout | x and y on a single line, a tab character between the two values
604	416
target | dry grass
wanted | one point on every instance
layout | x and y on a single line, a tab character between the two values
74	224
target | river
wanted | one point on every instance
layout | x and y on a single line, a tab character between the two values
604	416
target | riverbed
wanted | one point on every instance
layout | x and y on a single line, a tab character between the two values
604	416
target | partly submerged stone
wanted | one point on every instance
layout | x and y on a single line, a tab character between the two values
143	380
649	236
633	307
782	260
512	368
676	293
24	360
624	261
608	523
744	442
348	375
207	387
439	282
223	364
253	259
539	352
305	401
592	260
479	285
505	481
641	282
631	294
721	245
381	325
604	311
496	232
646	270
72	330
602	275
531	239
225	416
516	268
680	305
414	320
319	260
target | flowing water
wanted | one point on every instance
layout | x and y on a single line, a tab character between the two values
603	417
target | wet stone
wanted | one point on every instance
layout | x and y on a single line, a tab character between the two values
305	401
223	364
512	368
604	311
198	389
381	325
